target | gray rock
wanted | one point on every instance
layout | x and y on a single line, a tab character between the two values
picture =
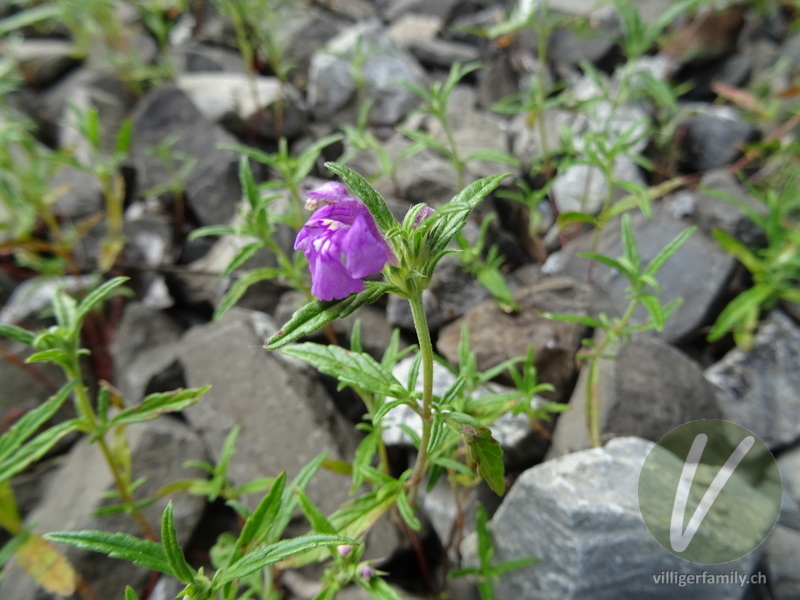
332	87
35	294
287	418
442	9
355	10
647	390
139	330
758	387
437	53
246	104
783	556
451	293
212	187
474	131
711	208
532	142
194	57
496	336
26	386
599	116
783	545
302	32
413	27
83	90
698	272
580	188
716	137
159	450
500	78
580	515
426	177
42	61
79	193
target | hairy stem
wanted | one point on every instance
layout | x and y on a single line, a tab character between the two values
426	350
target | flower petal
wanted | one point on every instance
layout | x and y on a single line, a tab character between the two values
364	253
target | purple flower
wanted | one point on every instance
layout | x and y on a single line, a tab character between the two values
424	213
342	244
366	572
327	193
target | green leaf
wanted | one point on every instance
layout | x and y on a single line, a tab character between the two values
582	319
249	187
169	538
98	295
452	218
215	230
653	306
355	518
427	140
289	499
668	250
155	405
30	423
53	355
494	156
629	244
379	589
372	199
66	311
130	594
568	218
738	310
268	555
512	565
17	334
485	548
484	451
610	262
258	524
240	286
314	515
36	448
739	251
405	510
242	255
142	553
317	313
357	369
29	17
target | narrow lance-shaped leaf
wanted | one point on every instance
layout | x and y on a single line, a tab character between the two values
158	404
32	420
318	313
453	216
35	448
98	295
258	524
372	199
172	549
142	553
352	368
268	555
668	250
17	334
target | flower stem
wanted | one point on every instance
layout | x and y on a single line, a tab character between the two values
85	410
426	350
